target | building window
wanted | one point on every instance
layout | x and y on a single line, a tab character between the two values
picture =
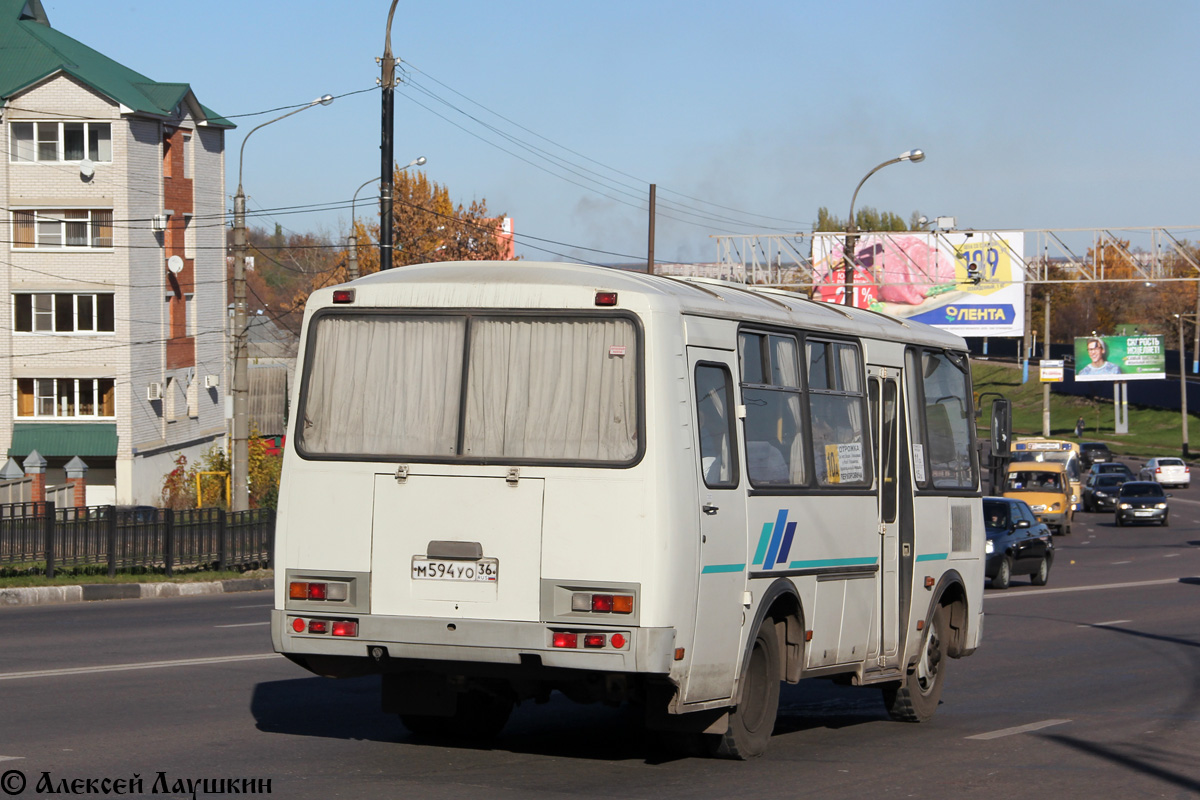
46	312
187	155
58	229
60	141
65	398
189	237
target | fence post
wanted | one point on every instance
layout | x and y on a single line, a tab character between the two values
112	541
222	540
48	510
169	540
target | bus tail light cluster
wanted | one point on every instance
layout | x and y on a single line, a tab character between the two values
588	640
317	590
602	603
326	627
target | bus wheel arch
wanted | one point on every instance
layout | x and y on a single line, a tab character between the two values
780	606
951	594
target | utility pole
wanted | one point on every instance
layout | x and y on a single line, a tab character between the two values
240	463
650	249
387	81
352	258
1046	386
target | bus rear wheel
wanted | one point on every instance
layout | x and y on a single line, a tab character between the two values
915	698
752	721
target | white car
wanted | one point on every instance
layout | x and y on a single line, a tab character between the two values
1167	471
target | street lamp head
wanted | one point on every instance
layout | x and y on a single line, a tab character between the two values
324	99
421	161
913	156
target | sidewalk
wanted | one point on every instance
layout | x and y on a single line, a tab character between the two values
47	595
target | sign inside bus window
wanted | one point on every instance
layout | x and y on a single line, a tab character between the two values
844	463
919	462
616	350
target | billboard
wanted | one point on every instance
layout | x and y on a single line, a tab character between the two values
927	277
1120	358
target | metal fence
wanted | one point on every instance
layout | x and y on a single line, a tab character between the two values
153	538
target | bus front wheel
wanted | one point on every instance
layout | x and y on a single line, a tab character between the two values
752	721
915	698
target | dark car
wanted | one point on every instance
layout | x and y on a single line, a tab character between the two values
1093	452
1100	490
1142	501
1112	468
1017	544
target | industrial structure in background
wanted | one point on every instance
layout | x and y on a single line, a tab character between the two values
113	274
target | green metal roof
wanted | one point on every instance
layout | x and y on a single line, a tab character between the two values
52	439
31	51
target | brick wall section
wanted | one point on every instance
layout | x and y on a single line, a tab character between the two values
177	196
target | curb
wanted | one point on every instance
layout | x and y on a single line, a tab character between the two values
57	595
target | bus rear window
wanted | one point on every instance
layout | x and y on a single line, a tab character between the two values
532	389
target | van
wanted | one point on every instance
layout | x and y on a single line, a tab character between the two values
1046	487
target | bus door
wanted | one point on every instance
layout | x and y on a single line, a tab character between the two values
883	389
721	509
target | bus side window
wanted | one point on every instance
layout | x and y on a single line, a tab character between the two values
715	424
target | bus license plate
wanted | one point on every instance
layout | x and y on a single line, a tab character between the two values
432	569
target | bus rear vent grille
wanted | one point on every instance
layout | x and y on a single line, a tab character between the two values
960	529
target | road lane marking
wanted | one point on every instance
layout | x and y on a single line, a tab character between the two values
1103	624
1033	726
183	662
1171	555
1115	563
243	624
12	758
258	605
1134	585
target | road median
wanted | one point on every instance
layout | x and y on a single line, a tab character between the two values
58	595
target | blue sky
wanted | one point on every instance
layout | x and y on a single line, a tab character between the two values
748	116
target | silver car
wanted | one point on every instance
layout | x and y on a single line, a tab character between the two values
1167	471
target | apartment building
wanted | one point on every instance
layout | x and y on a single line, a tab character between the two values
112	336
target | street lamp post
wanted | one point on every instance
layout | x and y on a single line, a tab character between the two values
1183	380
240	461
352	239
914	156
387	82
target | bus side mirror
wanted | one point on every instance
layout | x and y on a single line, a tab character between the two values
1001	426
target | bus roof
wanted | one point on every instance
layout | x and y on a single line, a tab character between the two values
548	285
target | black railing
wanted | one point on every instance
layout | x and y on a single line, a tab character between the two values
150	538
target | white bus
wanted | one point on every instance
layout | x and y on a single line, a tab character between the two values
504	479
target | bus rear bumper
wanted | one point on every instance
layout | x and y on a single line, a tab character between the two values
624	649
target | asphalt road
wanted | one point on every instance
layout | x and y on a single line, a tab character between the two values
1090	685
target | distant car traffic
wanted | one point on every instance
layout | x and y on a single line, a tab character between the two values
1094	452
1017	543
1112	468
1142	501
1100	490
1167	471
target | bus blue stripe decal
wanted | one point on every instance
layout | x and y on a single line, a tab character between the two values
776	537
723	568
786	547
933	557
865	561
762	544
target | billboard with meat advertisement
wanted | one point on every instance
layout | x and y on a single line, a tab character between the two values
971	283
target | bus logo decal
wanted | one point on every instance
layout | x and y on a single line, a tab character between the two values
775	541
